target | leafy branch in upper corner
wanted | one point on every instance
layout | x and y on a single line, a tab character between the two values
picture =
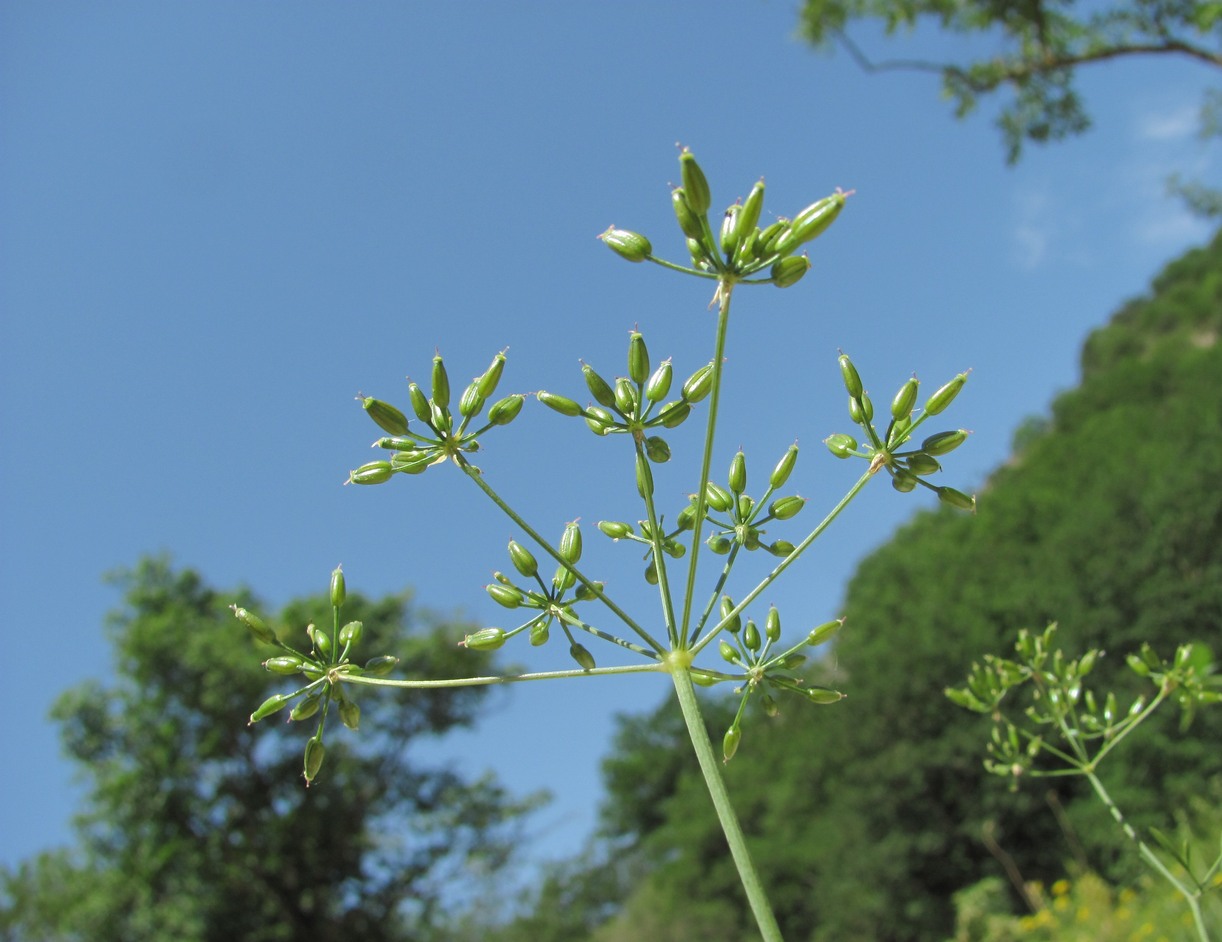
633	413
1063	720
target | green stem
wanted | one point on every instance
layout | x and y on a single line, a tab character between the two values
709	765
724	289
477	476
659	556
497	679
786	562
1150	857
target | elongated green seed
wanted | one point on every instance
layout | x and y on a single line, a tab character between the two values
487	383
615	529
306	708
314	754
272	704
599	388
784	467
861	410
695	185
824	632
339	590
351	633
788	271
257	626
284	664
729	229
728	652
852	381
772	624
380	665
486	639
729	743
944	442
374	472
783	508
582	656
822	696
811	222
945	396
922	464
349	713
672	415
905	399
738	473
780	548
727	606
441	383
954	498
570	543
751	636
506	410
523	560
657	450
420	402
841	445
387	417
659	383
644	476
561	404
625	396
471	401
749	215
699	384
903	480
638	358
689	222
630	245
506	595
717	497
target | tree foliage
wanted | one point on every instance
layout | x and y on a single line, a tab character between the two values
872	814
1043	43
193	830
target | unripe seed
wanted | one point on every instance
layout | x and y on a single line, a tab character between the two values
923	464
841	445
322	640
615	528
398	444
738	473
583	593
523	560
387	417
659	383
745	504
539	633
729	743
380	665
471	401
599	388
852	381
492	376
957	499
600	421
672	415
314	753
570	543
945	396
257	626
772	624
630	245
441	383
561	404
905	399
788	271
284	664
506	410
770	236
644	476
751	636
727	606
657	449
306	708
729	232
783	508
769	705
272	704
486	639
413	462
625	396
903	480
717	497
638	358
783	467
582	656
420	403
508	596
351	633
728	653
687	518
822	696
375	472
720	544
339	590
944	442
349	714
695	185
651	573
791	662
781	548
811	222
441	417
861	410
824	632
689	222
563	579
749	216
699	384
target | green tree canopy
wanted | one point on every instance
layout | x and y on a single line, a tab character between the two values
195	828
1042	45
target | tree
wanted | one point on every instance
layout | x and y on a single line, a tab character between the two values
192	829
1045	42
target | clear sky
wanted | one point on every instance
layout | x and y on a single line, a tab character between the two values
219	221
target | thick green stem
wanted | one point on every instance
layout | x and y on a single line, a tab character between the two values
711	768
724	289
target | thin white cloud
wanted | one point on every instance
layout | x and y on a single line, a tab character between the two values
1168	125
1032	228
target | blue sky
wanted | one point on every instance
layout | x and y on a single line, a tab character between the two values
219	221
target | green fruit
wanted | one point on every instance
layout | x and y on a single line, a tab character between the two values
385	415
630	245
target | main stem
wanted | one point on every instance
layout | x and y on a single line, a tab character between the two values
711	768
